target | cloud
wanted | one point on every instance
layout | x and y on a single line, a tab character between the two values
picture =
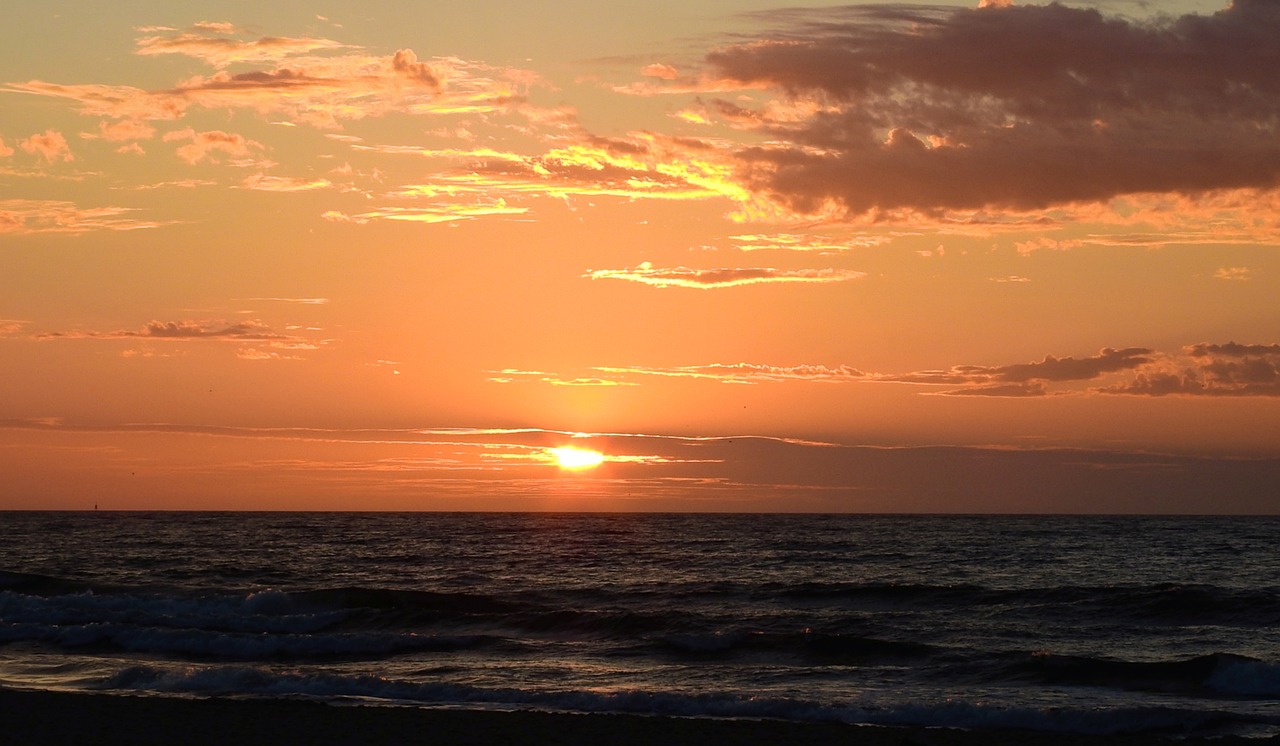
303	301
806	242
239	331
1044	243
5	151
1229	369
723	277
1203	369
443	213
1020	379
210	43
749	373
1003	390
175	184
1236	274
514	375
1026	379
637	166
659	70
319	82
22	216
122	131
405	62
508	470
1052	368
50	145
203	145
263	183
114	101
926	109
257	354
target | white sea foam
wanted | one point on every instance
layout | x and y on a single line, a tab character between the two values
954	714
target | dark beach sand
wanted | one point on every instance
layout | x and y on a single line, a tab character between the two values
37	718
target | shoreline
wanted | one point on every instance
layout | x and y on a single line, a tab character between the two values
106	719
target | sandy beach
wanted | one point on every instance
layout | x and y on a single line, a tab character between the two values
38	717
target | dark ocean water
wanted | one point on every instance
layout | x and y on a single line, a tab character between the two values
1089	625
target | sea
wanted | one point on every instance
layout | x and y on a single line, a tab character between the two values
1088	625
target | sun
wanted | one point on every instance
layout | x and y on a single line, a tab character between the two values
576	459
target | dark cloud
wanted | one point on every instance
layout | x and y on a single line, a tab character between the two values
406	63
1028	379
1229	369
269	80
930	109
1232	349
1052	368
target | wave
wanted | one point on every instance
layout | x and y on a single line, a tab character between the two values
1223	674
812	647
259	625
947	713
1161	603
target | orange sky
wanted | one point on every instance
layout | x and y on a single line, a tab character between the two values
850	258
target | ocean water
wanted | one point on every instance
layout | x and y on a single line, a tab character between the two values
1069	624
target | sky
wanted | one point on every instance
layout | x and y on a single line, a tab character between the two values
736	256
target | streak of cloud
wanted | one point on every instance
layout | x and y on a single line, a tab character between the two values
23	216
264	183
748	372
239	331
724	277
440	213
212	43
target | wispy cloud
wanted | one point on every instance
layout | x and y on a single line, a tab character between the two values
442	213
1197	370
215	44
265	183
515	375
807	242
22	216
313	81
638	166
181	331
724	277
1235	274
124	130
302	301
748	373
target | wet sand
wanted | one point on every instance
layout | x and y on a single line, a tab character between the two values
38	718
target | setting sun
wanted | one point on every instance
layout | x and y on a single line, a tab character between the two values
569	457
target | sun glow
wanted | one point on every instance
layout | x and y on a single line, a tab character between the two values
569	457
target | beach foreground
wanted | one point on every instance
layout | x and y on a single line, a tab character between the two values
40	717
